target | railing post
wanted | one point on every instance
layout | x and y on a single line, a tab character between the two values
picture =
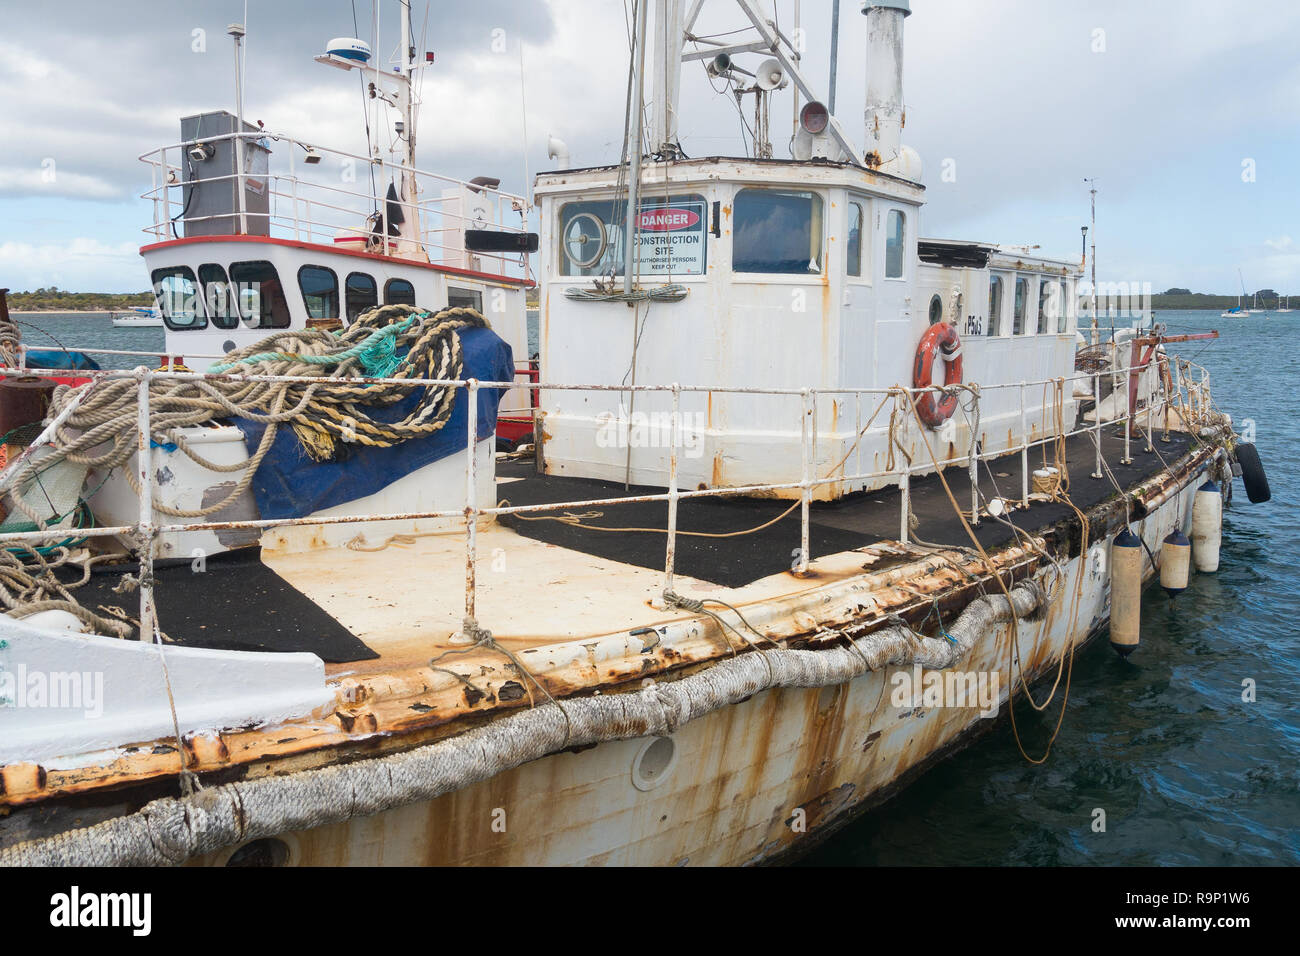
670	556
808	421
1096	420
1151	400
857	433
1024	448
974	473
1129	411
471	512
145	532
904	480
293	187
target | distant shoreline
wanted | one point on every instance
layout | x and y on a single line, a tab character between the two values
61	311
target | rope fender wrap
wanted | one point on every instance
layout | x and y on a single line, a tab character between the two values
170	830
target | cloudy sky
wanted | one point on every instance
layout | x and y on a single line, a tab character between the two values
1187	112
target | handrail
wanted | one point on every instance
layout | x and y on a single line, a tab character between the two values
145	531
316	211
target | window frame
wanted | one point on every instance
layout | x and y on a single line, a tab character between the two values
346	306
998	281
239	305
475	294
303	291
388	285
902	247
200	314
817	213
223	322
863	205
614	220
1020	306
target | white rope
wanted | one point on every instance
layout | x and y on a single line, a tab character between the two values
169	831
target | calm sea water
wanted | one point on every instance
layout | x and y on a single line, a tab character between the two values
1186	771
90	330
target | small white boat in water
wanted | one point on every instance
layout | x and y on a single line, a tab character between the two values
138	317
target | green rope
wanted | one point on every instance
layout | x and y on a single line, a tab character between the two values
377	353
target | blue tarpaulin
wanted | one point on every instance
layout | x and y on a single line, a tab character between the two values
290	483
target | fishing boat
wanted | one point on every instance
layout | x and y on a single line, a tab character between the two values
138	317
808	497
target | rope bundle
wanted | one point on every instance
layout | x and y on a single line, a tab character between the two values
337	408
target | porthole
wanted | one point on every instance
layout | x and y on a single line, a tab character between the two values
654	763
936	309
266	852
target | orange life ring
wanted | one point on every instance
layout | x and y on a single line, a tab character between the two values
939	338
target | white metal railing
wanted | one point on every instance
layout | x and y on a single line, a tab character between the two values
309	208
1189	394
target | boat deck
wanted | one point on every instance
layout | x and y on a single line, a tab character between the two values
368	612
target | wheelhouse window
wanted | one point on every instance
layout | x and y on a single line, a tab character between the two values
177	293
854	245
1049	306
1069	312
361	294
320	292
259	295
399	292
465	299
218	299
895	244
777	232
672	237
1018	314
995	304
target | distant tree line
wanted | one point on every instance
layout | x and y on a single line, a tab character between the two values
58	300
1177	298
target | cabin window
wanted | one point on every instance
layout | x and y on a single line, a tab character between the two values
260	296
178	298
672	237
895	244
1069	312
995	304
1018	314
1049	305
320	292
399	292
777	232
362	294
218	299
465	299
854	245
936	309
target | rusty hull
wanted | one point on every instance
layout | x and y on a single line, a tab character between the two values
739	774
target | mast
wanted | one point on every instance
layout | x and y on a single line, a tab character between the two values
236	32
667	76
1092	193
410	228
634	142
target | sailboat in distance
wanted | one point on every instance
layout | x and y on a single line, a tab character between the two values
1238	312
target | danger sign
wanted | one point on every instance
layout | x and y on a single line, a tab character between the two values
671	239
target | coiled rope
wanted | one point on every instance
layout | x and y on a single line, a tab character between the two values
101	432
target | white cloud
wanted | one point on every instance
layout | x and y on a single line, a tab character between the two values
77	264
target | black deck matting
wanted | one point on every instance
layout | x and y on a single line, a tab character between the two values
236	603
853	522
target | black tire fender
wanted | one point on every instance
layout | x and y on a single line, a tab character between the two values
1252	473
